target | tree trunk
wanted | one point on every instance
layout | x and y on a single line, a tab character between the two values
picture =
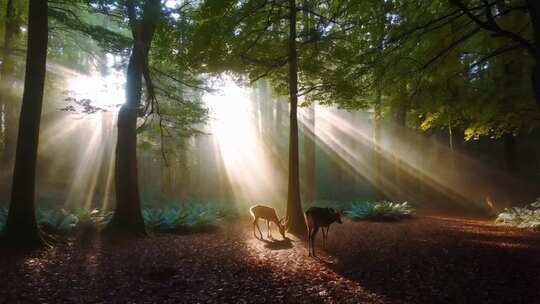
309	153
295	224
534	12
127	218
400	133
22	228
510	152
379	187
7	99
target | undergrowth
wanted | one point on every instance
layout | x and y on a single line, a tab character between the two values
169	218
362	210
379	211
521	217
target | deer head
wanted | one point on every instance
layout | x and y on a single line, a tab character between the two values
336	215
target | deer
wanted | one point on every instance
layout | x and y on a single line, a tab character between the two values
317	217
269	214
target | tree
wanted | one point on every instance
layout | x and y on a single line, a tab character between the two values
21	227
13	20
127	216
268	39
295	218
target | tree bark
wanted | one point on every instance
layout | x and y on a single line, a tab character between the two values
21	227
127	218
379	187
534	13
510	152
7	102
309	156
295	218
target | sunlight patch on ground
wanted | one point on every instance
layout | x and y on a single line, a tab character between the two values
286	260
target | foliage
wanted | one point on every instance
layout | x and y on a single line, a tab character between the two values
56	220
187	215
95	216
521	217
379	211
3	217
168	218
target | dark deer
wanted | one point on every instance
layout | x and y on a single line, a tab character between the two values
269	214
316	218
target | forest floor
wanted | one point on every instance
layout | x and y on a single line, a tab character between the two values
420	260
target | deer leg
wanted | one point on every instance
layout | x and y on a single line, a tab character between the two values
323	237
269	234
309	240
327	228
313	236
256	224
254	221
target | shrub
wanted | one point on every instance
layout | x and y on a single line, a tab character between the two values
521	217
187	215
55	220
95	216
379	211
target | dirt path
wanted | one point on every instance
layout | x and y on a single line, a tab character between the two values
423	260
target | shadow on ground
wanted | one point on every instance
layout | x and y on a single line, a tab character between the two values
422	260
440	260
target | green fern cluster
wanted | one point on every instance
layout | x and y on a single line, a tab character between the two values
521	217
62	220
379	211
187	215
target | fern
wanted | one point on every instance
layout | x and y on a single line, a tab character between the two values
521	217
379	211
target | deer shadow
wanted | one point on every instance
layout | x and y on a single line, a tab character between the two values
274	244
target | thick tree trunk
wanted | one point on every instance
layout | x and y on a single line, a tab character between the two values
21	228
127	218
296	224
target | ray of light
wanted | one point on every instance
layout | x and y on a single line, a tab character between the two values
247	165
78	146
413	156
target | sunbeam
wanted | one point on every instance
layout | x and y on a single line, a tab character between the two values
246	163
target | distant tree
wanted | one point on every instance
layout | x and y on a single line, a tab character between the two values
21	228
12	28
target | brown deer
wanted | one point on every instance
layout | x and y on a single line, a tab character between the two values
269	214
317	217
